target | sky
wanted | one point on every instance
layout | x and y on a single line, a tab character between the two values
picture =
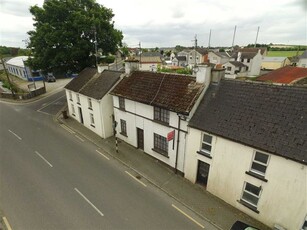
162	23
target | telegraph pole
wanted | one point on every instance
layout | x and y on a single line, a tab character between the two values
140	55
8	78
195	46
209	40
257	36
233	38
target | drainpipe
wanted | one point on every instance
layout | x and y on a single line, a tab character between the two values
178	140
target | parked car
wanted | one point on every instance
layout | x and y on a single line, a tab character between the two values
238	225
50	78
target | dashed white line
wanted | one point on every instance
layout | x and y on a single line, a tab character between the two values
103	155
43	159
15	134
88	201
182	212
50	103
79	138
67	129
136	179
8	226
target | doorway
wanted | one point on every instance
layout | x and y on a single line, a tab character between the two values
202	173
140	138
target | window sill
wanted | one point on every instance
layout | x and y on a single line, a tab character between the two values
256	176
73	114
122	109
90	108
249	206
70	99
123	134
78	103
161	122
204	154
160	152
93	125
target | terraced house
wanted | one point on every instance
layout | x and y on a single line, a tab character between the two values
247	144
152	111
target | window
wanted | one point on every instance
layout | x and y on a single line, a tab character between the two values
260	163
123	127
251	194
161	115
160	144
190	57
72	109
70	95
121	101
89	100
248	60
229	68
78	99
92	119
206	144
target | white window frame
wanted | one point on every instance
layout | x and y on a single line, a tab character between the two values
254	161
203	142
92	119
252	194
73	109
70	95
78	98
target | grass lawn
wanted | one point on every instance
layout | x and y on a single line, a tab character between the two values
283	53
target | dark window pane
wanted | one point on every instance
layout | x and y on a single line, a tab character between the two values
206	147
252	188
259	167
261	157
207	138
250	198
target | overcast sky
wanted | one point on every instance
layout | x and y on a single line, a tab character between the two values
163	23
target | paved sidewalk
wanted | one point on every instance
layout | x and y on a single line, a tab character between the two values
193	196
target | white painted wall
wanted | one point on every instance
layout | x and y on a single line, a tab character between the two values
102	111
138	115
149	66
254	65
302	62
283	199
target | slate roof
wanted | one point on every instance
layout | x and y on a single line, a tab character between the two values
267	117
253	50
177	93
149	59
237	64
244	55
286	75
92	84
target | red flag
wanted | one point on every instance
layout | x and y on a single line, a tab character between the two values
170	135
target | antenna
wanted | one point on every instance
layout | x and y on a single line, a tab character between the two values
257	36
209	39
195	46
234	35
140	55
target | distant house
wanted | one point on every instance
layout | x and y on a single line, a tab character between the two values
234	69
302	61
218	57
247	144
149	63
272	63
89	101
152	111
197	56
179	61
285	75
17	67
251	59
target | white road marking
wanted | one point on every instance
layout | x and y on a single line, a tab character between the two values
67	129
136	179
79	138
7	224
44	106
43	159
15	135
182	212
103	155
88	201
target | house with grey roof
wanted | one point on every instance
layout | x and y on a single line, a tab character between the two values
197	56
218	57
152	111
89	101
247	144
234	69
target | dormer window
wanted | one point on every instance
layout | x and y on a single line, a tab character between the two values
161	115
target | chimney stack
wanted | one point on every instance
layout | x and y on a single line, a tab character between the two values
102	67
131	65
203	74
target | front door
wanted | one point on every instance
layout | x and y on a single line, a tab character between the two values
80	114
202	173
140	138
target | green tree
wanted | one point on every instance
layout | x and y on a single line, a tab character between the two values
65	31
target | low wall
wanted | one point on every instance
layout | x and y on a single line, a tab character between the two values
24	96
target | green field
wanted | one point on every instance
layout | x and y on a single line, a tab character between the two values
283	53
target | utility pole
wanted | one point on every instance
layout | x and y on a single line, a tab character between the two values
195	46
140	55
233	38
8	78
209	40
257	36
